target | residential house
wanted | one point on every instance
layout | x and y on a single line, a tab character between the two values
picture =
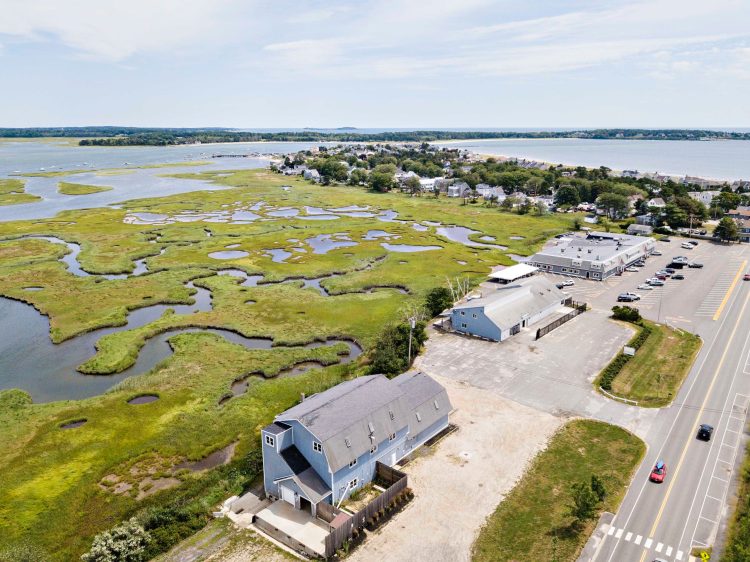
739	213
459	189
504	311
312	175
490	192
743	226
640	229
656	202
629	173
326	447
704	197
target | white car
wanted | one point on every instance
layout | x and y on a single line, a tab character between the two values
645	287
566	283
654	282
631	268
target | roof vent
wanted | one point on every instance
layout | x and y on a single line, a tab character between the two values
391	414
371	427
348	443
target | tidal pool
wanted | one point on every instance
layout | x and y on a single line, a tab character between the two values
228	254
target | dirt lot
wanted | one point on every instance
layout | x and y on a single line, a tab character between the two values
464	478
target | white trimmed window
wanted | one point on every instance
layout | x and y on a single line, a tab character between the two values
353	483
270	441
463	324
373	449
353	463
317	447
474	315
463	313
391	437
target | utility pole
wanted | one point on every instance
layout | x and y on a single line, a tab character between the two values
412	324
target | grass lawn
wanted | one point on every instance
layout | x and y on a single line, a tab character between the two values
50	478
67	188
525	524
654	375
13	192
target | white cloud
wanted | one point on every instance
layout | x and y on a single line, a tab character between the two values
115	30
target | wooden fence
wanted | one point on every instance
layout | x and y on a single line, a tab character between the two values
344	532
578	308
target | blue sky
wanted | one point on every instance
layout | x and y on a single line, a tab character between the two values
388	63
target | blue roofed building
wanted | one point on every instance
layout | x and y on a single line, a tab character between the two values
326	447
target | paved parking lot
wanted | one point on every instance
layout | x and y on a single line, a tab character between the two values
690	304
553	374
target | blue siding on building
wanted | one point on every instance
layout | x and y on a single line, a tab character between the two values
364	470
480	326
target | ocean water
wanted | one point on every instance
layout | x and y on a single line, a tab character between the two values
724	160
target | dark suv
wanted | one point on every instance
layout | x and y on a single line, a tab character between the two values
705	431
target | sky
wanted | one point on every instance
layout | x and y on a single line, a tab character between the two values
378	63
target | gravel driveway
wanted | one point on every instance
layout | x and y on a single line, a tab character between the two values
463	479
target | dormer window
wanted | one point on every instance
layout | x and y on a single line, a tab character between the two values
373	449
353	463
317	447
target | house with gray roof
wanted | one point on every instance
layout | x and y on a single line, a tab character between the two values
503	311
326	447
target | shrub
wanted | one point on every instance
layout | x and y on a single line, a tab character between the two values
626	313
615	366
124	543
437	300
390	356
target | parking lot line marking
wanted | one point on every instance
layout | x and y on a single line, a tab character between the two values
713	498
659	546
611	531
648	542
618	534
679	554
668	552
721	479
707	519
638	539
628	536
729	291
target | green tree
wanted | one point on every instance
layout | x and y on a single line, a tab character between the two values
584	503
567	195
615	205
413	186
124	543
437	300
726	201
381	178
727	230
597	486
358	177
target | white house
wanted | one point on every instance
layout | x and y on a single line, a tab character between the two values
312	175
704	197
459	189
657	202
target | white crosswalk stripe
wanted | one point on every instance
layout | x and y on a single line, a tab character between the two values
648	543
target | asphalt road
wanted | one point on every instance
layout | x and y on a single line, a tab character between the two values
667	520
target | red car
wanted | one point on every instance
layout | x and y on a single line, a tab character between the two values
746	277
659	472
